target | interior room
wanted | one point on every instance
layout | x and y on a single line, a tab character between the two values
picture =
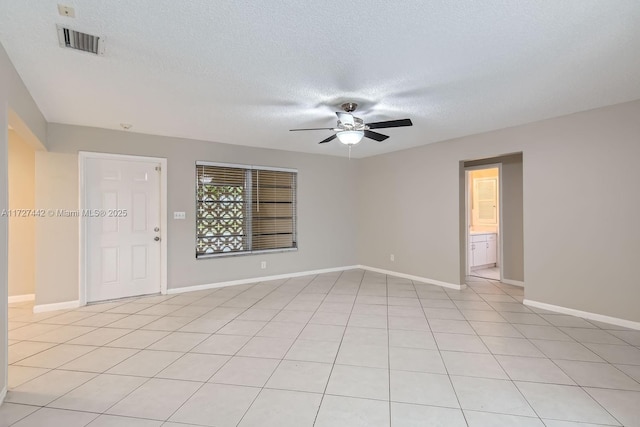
483	216
319	214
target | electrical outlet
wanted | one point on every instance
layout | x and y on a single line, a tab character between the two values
263	265
179	215
392	257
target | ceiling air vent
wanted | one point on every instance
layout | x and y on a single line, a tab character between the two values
72	39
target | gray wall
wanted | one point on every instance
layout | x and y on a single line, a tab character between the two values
512	214
326	217
513	219
581	204
16	101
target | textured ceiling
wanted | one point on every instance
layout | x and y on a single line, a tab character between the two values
244	72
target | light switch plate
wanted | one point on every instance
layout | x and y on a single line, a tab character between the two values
179	215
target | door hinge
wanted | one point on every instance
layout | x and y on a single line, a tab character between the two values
158	168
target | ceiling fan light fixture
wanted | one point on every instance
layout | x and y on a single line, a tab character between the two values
350	137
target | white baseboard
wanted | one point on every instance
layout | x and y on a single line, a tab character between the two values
584	314
310	272
22	298
412	277
256	279
41	308
513	282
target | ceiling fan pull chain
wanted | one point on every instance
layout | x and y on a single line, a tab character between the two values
349	152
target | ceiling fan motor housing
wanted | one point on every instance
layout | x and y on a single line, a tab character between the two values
349	107
358	124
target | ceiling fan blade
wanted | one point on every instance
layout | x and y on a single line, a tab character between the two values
293	130
390	124
331	138
375	135
345	118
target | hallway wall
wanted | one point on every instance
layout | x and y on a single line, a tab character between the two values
22	229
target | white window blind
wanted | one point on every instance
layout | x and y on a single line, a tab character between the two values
244	209
274	209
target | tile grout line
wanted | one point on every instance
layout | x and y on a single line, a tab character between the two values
464	416
131	330
537	382
280	361
154	377
315	419
137	352
514	383
102	373
279	311
230	357
583	388
294	340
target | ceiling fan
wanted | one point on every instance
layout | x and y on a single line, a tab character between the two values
351	129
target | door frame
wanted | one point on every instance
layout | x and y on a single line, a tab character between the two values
83	156
467	213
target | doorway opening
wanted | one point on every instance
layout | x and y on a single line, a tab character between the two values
492	219
483	213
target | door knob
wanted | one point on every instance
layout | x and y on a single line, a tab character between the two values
156	229
157	238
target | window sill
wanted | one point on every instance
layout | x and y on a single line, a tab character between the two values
235	254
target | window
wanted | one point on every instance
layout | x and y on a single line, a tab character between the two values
244	209
485	201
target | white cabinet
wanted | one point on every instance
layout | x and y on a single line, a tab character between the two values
483	249
479	253
492	252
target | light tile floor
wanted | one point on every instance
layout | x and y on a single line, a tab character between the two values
335	350
491	273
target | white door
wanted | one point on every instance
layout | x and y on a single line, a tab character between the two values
122	217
